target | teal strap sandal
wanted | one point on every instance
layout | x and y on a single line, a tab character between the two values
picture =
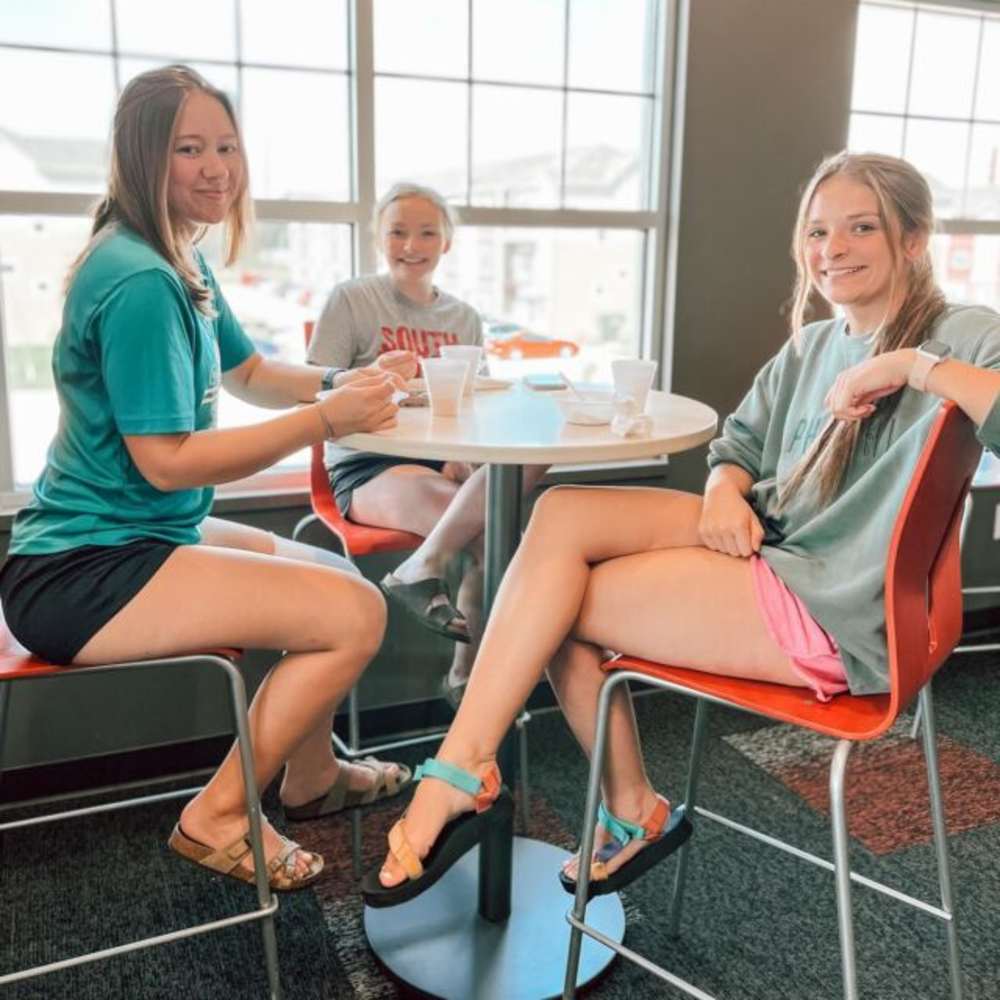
665	830
492	820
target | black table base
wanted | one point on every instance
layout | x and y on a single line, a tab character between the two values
440	945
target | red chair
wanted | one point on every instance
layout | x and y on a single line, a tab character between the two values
17	665
923	610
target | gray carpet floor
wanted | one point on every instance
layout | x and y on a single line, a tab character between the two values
759	925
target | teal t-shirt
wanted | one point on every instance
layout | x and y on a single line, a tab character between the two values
833	557
133	356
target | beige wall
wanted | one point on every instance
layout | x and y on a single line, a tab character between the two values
768	91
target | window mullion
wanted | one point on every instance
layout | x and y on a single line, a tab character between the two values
6	410
363	120
667	153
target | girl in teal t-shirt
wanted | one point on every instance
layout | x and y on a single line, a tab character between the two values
115	558
810	468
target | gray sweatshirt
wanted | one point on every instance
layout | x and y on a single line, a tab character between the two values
834	557
367	316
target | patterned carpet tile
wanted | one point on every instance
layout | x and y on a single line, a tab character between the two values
888	808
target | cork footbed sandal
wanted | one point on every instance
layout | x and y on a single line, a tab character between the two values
340	796
494	814
282	876
666	831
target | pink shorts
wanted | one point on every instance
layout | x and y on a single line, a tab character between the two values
813	652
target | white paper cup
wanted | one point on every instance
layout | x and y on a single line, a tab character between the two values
444	378
633	377
468	353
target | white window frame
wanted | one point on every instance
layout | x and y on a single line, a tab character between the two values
662	182
952	226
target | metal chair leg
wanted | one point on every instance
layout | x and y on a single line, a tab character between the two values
842	869
239	700
522	744
4	702
690	797
917	717
587	835
354	745
941	840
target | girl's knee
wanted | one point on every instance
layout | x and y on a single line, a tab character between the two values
366	616
552	507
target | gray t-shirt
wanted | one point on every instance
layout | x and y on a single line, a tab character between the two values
367	316
833	557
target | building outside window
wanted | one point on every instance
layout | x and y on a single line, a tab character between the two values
927	88
551	156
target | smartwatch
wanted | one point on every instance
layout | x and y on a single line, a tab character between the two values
929	354
326	383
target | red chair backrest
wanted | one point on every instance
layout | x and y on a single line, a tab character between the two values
356	539
923	586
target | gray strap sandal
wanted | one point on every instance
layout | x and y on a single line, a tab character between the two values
340	797
430	603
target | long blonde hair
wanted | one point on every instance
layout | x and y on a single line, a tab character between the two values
905	207
142	139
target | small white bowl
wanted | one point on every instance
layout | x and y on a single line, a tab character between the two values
592	407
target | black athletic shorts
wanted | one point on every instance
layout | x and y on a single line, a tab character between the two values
55	604
355	470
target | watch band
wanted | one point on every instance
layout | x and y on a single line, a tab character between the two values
326	383
929	354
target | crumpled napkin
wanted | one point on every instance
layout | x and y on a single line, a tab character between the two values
628	421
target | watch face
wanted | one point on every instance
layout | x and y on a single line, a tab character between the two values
938	348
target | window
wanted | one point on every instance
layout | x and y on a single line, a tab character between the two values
545	140
927	87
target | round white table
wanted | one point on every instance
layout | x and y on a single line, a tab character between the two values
506	941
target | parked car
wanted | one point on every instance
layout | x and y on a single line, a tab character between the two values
524	344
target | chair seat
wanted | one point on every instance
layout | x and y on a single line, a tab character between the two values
359	539
846	716
16	663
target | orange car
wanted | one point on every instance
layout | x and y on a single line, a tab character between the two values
522	344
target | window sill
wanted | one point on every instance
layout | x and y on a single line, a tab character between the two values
291	489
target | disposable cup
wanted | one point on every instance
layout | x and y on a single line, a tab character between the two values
633	377
469	354
444	378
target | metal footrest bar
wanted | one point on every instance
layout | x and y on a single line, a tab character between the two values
919	904
675	981
241	918
344	750
102	807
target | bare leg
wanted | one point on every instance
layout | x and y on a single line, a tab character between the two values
619	569
313	768
331	623
458	528
470	602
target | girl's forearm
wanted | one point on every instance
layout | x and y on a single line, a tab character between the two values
973	389
209	457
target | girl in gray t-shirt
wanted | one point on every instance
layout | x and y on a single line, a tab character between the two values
391	320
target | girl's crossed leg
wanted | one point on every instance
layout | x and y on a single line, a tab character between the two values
599	568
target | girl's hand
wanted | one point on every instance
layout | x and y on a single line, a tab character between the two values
853	394
728	523
401	363
363	405
458	472
371	371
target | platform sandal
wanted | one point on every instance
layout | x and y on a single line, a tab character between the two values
492	820
666	830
